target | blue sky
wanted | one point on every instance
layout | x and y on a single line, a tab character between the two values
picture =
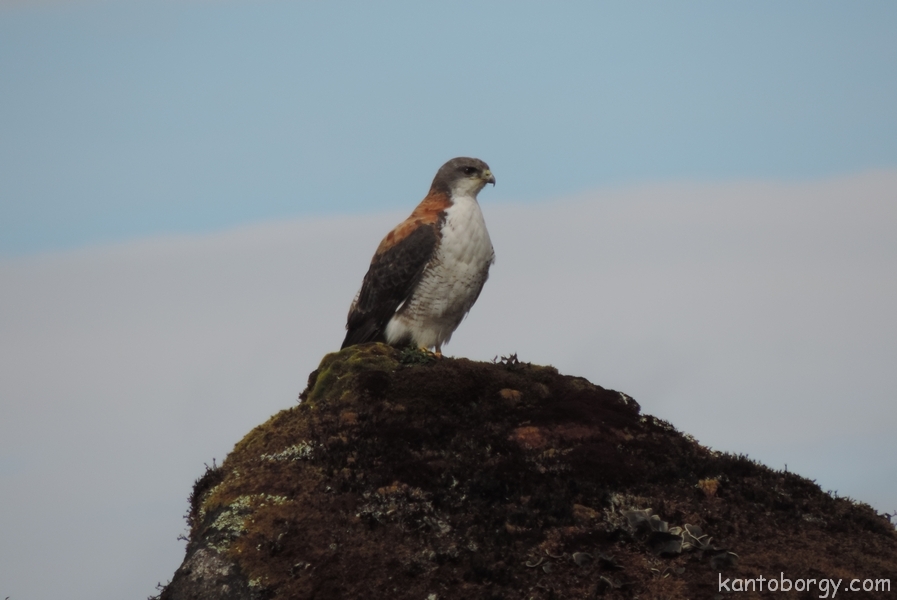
122	119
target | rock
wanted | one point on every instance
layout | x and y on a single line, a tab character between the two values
398	476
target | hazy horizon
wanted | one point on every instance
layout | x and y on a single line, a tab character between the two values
756	316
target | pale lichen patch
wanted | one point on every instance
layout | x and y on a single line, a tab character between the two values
300	451
235	516
409	506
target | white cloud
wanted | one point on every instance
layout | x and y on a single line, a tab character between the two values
758	317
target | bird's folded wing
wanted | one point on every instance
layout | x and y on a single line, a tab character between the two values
394	272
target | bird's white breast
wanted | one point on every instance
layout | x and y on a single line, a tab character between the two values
452	281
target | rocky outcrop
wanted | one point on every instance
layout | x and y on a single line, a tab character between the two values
402	476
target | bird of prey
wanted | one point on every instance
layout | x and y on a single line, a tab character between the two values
428	271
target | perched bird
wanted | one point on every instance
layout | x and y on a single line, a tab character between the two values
430	269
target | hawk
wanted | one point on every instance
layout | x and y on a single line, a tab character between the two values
428	271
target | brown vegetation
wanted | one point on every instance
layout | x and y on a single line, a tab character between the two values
401	476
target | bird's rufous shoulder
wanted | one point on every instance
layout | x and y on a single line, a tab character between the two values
428	212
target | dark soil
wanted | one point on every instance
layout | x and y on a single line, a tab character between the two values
403	476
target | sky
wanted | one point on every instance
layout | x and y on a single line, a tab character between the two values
129	118
696	204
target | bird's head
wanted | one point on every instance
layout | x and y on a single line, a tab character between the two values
462	176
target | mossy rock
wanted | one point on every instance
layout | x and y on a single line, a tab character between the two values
446	478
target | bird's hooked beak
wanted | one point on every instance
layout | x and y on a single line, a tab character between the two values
488	177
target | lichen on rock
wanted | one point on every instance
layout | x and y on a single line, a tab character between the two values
400	477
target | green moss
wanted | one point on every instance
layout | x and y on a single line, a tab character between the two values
334	376
416	356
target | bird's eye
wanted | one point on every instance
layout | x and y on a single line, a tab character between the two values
469	170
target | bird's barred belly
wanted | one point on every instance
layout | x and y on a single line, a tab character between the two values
451	283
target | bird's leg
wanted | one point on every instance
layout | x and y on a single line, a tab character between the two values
436	354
